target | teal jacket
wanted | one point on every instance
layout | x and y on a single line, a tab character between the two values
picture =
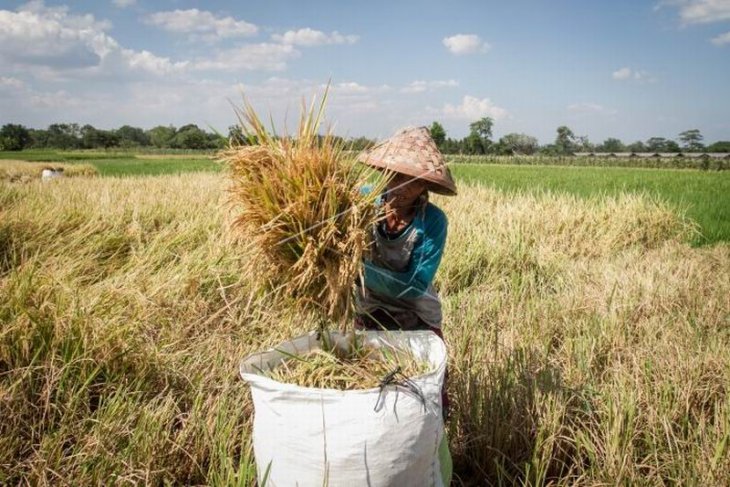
431	227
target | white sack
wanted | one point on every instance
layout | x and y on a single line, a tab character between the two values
314	437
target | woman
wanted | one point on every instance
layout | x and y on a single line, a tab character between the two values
398	290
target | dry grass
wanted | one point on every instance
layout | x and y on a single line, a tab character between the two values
300	206
23	171
586	346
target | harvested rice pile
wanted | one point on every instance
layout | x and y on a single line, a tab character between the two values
364	368
23	171
300	207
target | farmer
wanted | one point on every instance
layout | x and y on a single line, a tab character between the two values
398	292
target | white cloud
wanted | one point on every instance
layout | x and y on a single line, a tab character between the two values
621	74
146	61
276	87
473	108
20	90
641	76
420	86
58	99
702	11
37	34
351	87
251	57
465	44
310	37
722	39
10	82
124	3
590	107
201	24
54	40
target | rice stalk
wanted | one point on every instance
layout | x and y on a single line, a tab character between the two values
301	208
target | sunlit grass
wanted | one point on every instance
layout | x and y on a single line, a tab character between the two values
587	339
704	196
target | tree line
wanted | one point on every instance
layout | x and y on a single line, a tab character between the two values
479	141
75	136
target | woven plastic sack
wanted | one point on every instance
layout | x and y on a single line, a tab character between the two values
372	437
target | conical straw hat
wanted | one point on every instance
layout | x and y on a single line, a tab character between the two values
413	152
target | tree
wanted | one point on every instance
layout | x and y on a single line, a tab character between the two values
480	136
64	136
235	135
565	140
450	146
637	146
162	136
361	143
132	136
672	146
660	144
720	146
215	140
93	138
473	144
692	140
38	138
581	143
438	134
190	137
612	145
518	144
14	137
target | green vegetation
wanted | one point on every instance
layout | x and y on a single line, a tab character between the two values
704	163
127	163
703	196
150	167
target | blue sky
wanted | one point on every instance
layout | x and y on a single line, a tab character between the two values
626	69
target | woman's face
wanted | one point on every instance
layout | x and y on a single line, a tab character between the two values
404	190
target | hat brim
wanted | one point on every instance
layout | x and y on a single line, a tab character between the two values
436	184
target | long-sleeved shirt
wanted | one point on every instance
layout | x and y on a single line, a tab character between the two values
400	275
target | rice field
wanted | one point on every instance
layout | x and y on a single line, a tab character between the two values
115	163
587	336
703	195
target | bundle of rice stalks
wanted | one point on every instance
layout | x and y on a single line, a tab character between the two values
24	171
301	208
358	368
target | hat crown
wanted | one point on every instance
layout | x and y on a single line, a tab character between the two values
412	151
